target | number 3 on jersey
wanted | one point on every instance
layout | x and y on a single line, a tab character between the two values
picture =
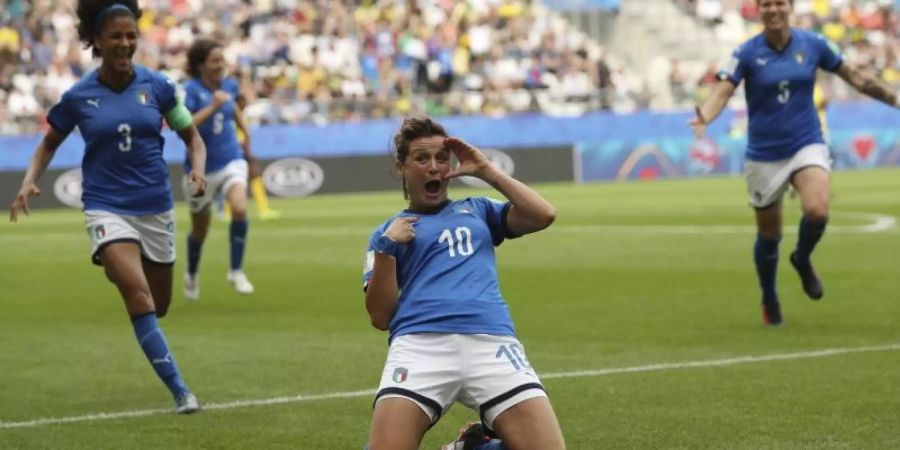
125	130
463	241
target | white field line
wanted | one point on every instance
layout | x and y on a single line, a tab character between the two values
552	375
876	223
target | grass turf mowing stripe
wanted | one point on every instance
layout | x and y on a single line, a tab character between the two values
551	375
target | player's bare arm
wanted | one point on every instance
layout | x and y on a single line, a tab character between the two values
42	157
712	107
529	212
219	99
868	84
382	292
197	155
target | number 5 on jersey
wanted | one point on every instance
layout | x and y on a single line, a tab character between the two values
784	91
463	241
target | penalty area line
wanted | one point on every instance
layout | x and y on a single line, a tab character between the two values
546	376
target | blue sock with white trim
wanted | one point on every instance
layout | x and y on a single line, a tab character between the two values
153	342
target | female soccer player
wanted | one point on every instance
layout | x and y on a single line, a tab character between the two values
210	96
785	142
431	281
127	196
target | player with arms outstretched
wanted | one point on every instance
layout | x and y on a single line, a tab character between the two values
786	146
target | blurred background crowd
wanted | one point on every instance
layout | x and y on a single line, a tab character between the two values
337	60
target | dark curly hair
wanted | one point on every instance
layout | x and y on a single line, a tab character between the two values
88	10
197	54
413	128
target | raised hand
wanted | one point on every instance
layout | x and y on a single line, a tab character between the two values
21	201
472	161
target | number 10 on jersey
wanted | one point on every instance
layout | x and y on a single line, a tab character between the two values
463	241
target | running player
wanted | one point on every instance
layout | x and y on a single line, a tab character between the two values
210	96
119	109
786	146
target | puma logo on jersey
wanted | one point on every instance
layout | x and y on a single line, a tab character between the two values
762	61
95	102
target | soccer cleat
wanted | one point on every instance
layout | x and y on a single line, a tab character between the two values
812	285
239	282
191	287
470	436
772	314
186	403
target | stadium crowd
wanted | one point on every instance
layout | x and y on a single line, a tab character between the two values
322	60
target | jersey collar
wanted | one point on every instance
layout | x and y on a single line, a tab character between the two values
117	91
786	46
433	213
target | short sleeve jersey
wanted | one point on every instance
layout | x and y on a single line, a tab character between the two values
447	274
218	131
779	91
123	167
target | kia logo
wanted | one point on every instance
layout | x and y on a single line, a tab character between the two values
499	159
293	177
67	188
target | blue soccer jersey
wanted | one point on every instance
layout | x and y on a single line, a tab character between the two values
123	167
217	131
779	90
447	275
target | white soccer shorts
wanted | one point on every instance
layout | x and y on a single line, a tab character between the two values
154	233
486	373
222	180
768	180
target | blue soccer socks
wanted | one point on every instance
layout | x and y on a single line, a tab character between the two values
765	254
153	342
195	247
809	234
237	238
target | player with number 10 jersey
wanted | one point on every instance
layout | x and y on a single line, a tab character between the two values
431	280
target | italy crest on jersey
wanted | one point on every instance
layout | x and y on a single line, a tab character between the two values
143	97
799	57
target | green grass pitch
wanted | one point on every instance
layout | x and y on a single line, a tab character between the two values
632	282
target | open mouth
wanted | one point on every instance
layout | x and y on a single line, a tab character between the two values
433	186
